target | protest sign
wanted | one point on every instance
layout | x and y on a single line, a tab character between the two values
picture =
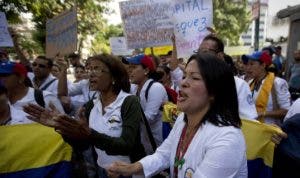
119	47
146	23
191	19
5	38
61	34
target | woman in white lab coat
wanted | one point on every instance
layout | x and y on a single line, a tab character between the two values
206	140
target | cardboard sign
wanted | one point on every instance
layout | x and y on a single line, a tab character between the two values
5	38
191	19
119	47
146	23
61	34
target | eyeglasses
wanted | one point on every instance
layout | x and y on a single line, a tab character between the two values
38	65
97	71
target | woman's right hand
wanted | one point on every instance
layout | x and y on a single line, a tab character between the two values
125	169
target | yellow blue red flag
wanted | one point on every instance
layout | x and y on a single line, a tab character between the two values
260	148
33	151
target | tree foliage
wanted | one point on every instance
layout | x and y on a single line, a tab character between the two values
231	19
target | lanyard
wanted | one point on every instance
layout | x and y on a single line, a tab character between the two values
181	150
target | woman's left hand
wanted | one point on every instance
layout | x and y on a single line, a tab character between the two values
73	128
42	115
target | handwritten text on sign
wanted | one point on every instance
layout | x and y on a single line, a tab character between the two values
190	18
61	35
5	39
146	23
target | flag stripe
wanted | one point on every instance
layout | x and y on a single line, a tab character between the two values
29	146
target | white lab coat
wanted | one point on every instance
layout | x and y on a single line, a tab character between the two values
214	152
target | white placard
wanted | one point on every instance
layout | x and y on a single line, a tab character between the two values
119	47
5	38
190	18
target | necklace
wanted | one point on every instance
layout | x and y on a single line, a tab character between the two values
184	142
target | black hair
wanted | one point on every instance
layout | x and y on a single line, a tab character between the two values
165	68
228	59
117	71
49	61
220	84
3	90
219	42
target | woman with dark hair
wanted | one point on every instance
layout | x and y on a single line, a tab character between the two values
206	140
152	95
112	125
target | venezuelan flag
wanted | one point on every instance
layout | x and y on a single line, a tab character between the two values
33	151
260	148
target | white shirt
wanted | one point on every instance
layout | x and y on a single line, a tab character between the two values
214	152
29	98
176	76
157	95
82	88
101	123
51	88
17	116
294	109
247	108
283	98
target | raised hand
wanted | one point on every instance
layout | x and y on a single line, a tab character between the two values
62	63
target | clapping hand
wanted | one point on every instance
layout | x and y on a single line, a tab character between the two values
73	128
42	115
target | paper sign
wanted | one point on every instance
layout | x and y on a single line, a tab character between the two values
190	18
119	47
146	23
5	38
61	34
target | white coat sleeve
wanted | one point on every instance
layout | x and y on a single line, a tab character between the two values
282	94
51	98
247	108
76	88
157	95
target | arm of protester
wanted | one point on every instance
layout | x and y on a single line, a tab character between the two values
62	87
278	113
173	62
125	169
20	54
